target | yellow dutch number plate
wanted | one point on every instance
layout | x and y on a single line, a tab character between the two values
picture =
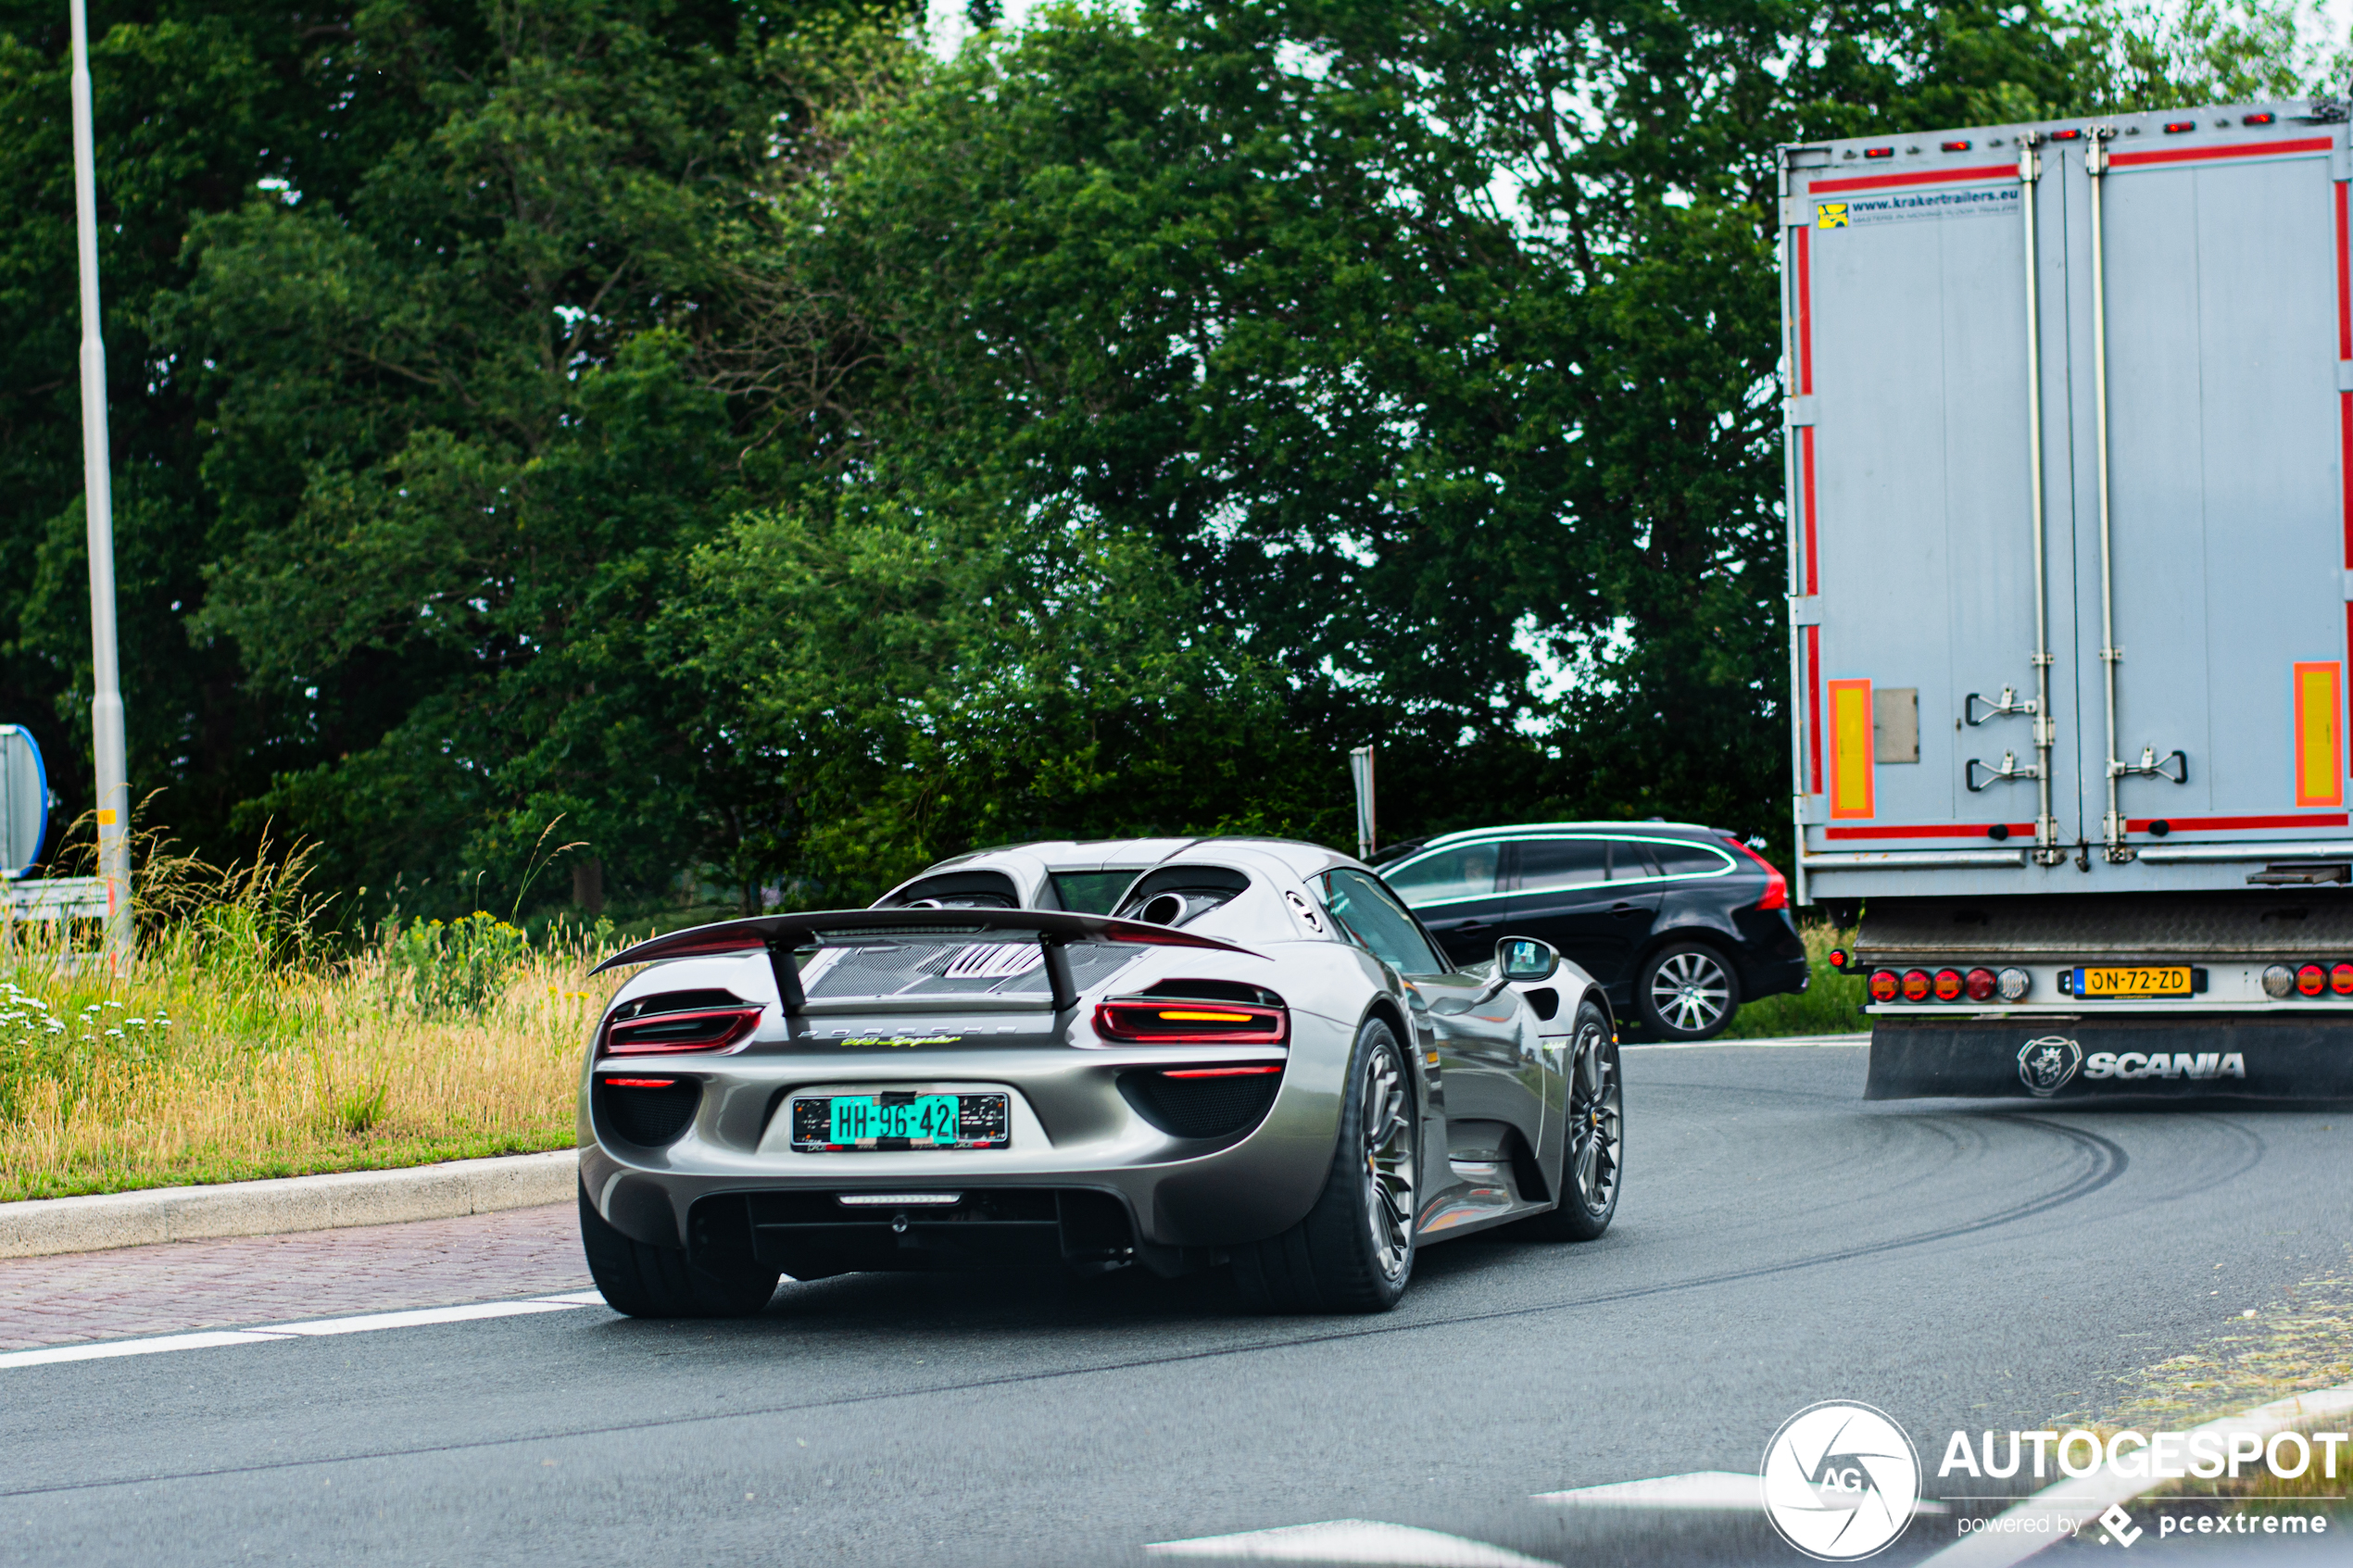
2140	980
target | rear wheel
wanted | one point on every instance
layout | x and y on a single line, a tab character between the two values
663	1282
1687	992
1354	1250
1593	1137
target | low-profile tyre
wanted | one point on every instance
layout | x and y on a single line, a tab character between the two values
1592	1136
1687	991
1354	1250
662	1282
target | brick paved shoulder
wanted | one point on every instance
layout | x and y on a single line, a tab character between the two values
176	1286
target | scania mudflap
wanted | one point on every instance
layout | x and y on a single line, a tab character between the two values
2184	996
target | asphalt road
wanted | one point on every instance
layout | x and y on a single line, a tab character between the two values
1780	1242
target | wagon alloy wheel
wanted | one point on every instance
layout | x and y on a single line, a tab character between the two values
1592	1136
1388	1161
1354	1250
1688	992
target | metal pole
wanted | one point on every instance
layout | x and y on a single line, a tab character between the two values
2095	165
1360	770
106	704
2046	850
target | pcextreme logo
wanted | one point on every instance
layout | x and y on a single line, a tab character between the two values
1840	1481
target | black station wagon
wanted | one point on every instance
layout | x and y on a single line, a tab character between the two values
1680	924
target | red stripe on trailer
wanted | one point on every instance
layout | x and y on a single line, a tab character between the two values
1806	464
2225	824
2198	155
1804	313
1814	703
1926	177
1937	830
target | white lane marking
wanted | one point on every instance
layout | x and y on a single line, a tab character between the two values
370	1322
1353	1542
2087	1498
136	1347
1700	1489
366	1322
1857	1041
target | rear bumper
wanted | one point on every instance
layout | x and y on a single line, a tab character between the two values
2076	1060
1085	1160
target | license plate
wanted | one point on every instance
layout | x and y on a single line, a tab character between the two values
897	1119
2138	980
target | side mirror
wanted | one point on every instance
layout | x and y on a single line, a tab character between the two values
1526	959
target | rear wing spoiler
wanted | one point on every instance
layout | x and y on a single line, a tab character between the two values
781	935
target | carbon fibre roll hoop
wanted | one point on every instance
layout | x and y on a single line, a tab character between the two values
782	935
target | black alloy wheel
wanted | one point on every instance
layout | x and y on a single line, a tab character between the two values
1592	1136
663	1282
1354	1250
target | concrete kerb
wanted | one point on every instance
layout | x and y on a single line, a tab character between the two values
43	1227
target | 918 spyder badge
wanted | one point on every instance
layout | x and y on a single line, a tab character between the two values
2045	1066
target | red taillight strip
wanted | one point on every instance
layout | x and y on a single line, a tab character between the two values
1153	1021
730	1027
1222	1072
639	1083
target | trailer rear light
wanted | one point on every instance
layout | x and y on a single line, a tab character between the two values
2311	979
2067	135
1886	984
2013	984
2278	981
1879	152
1954	147
1154	1021
1948	984
2257	119
1776	888
1979	985
1916	985
2341	979
707	1029
2176	127
1839	959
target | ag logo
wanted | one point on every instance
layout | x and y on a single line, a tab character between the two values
2045	1066
1840	1481
1830	214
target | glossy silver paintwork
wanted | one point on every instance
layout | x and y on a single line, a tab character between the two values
1487	1075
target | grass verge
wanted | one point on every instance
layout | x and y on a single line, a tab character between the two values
1830	1005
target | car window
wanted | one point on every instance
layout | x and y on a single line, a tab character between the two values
1462	871
1548	864
1691	860
1371	915
1091	893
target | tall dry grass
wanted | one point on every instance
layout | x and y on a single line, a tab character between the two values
240	1044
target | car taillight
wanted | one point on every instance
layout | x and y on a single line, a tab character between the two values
1776	888
1153	1021
1979	985
2341	979
1886	984
1948	984
2311	978
1916	985
708	1029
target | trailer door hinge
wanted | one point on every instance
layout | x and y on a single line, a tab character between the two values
1806	609
1797	411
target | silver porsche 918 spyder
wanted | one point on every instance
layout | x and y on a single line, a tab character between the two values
1256	1057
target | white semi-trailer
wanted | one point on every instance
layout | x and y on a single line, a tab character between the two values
2068	429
